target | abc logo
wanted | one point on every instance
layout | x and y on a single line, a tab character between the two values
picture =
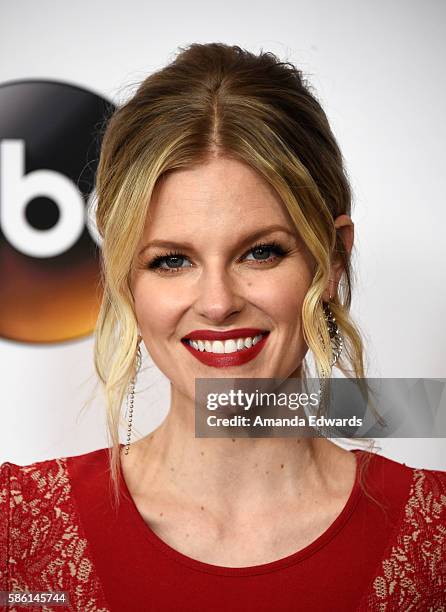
50	137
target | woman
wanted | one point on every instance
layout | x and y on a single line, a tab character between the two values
224	210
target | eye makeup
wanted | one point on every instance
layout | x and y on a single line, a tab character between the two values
272	246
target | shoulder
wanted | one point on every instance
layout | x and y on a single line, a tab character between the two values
44	486
413	568
423	516
34	479
35	507
423	482
43	490
43	546
38	491
43	482
424	513
33	498
419	495
399	481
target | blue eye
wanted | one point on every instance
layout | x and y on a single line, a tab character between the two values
265	250
172	262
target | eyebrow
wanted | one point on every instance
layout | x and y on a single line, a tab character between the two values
245	240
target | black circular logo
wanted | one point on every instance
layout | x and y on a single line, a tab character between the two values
50	137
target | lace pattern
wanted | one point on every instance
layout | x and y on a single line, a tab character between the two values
42	544
412	576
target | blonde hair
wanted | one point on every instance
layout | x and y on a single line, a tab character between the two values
212	100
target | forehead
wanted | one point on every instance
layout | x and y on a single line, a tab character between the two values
222	191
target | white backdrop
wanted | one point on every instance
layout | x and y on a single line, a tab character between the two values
378	68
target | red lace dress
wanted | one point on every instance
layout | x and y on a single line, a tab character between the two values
59	532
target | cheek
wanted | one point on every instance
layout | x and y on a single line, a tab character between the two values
289	304
157	307
281	295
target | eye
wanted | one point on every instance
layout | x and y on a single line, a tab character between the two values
172	262
262	251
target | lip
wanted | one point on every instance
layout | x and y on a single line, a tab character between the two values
209	334
225	360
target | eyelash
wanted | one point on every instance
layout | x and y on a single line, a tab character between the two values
277	249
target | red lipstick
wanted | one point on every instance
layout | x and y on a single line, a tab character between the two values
209	334
224	360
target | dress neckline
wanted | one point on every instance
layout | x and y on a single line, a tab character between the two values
146	532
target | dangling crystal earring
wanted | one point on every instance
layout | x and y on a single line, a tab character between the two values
337	345
131	396
337	342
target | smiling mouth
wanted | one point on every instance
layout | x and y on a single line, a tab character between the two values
226	353
220	347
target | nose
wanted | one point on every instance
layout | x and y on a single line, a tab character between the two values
218	296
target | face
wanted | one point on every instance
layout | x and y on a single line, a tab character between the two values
220	253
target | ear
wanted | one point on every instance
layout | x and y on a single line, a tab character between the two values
345	228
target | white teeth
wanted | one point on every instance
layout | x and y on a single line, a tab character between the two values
218	347
228	346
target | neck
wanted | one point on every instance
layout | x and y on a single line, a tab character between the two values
232	474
